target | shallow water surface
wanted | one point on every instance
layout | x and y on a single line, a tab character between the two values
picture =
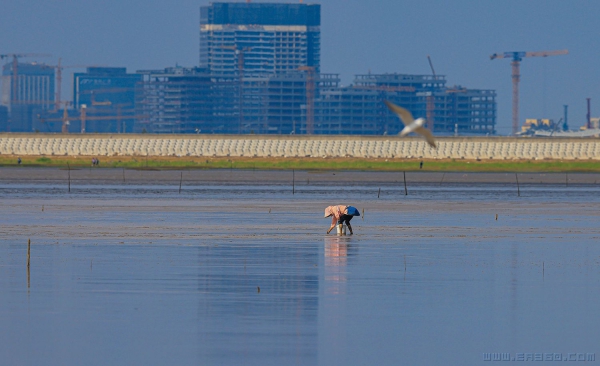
244	274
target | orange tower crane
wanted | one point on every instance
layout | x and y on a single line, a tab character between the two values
517	57
59	69
310	98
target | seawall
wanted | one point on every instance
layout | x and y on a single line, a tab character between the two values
299	146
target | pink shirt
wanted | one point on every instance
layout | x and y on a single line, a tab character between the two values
335	212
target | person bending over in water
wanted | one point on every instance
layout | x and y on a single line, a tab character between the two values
341	214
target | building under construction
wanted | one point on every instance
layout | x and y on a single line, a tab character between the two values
359	108
192	100
181	100
280	103
259	38
27	89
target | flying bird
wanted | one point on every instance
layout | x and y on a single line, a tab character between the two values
410	124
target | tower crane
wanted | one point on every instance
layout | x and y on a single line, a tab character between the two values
310	97
59	68
517	57
15	69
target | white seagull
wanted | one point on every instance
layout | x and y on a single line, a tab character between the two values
410	124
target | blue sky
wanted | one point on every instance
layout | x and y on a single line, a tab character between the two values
357	36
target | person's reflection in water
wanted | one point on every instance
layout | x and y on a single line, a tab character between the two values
336	258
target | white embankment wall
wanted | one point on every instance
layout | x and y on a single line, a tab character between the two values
298	146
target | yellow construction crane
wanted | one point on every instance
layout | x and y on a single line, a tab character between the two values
517	57
83	117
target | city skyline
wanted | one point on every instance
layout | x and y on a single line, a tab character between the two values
460	37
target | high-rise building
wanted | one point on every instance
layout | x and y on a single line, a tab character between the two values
28	92
256	57
259	38
34	85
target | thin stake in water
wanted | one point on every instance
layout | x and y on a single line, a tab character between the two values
293	181
363	214
405	190
180	180
443	175
69	170
518	189
378	193
28	261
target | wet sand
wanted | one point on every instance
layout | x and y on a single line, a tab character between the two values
238	270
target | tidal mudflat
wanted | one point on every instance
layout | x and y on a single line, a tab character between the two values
236	269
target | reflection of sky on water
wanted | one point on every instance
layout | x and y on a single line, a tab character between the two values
337	249
275	324
161	278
